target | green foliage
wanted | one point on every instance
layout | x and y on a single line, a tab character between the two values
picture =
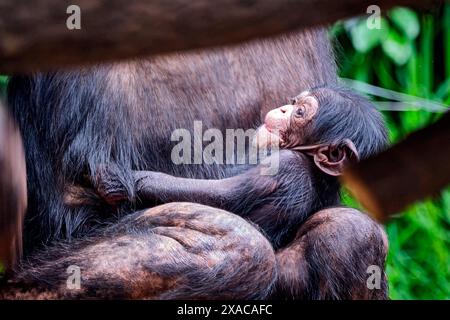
397	47
411	55
406	20
3	84
363	38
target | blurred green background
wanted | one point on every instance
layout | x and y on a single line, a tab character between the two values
409	54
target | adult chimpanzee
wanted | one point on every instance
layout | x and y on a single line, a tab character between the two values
75	123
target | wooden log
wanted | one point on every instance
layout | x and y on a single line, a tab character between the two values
412	170
34	35
13	192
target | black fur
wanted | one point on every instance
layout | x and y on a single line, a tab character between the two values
343	114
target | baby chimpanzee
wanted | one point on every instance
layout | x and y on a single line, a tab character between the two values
318	134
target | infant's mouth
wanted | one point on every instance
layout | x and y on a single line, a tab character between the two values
269	129
274	134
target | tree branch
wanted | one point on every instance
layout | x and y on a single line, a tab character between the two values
34	36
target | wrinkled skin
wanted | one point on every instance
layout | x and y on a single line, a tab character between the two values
287	125
187	251
174	251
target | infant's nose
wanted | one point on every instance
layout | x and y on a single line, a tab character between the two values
284	109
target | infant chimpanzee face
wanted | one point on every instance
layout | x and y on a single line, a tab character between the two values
334	125
287	125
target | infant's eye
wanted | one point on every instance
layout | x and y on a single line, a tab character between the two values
294	101
300	112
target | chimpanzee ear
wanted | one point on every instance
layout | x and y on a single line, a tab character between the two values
332	159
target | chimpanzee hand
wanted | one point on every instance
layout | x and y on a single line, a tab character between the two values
114	188
110	185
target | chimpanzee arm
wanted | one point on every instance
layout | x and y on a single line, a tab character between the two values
336	254
151	186
174	251
277	203
159	186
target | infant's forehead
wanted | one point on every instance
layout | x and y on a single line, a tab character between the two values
303	94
